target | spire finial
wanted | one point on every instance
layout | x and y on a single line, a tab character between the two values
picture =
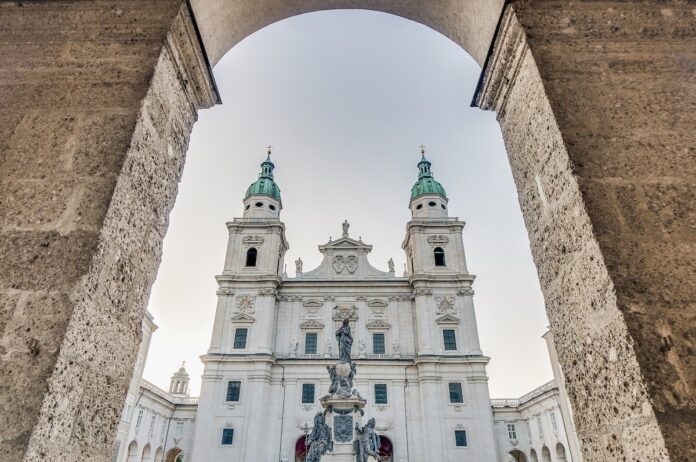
422	149
269	150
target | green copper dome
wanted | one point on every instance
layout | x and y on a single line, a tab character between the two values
264	186
426	184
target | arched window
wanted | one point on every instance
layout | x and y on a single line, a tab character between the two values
439	256
251	257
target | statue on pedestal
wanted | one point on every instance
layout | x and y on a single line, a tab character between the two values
319	441
366	442
345	341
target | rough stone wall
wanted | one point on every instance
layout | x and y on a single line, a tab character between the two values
598	120
88	171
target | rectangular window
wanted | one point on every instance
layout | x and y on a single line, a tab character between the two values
139	421
310	345
240	338
233	389
554	425
380	393
455	392
460	438
127	408
449	339
512	432
307	393
378	344
227	436
179	430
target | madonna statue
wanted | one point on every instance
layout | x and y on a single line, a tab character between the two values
345	341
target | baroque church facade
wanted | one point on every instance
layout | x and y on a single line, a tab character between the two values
420	366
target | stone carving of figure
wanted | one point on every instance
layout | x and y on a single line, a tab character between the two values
298	265
293	346
395	346
319	441
345	225
391	265
327	348
366	442
361	346
345	341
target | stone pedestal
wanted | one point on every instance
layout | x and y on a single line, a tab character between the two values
341	416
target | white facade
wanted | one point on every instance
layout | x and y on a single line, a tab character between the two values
419	363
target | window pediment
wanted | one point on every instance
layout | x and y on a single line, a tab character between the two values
448	319
242	318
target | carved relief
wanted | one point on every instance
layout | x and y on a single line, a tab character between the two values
438	240
313	302
252	240
242	318
465	291
268	291
378	311
445	305
225	291
341	312
447	319
245	304
423	291
378	324
348	263
312	324
377	302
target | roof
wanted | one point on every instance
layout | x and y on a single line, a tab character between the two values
265	185
426	183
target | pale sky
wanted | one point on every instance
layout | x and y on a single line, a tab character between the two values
346	98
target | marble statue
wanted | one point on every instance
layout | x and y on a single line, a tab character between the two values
319	441
366	442
345	225
391	265
345	341
298	265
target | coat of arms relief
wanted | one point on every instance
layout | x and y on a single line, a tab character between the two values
345	263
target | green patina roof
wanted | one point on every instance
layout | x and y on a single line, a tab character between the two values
426	184
264	186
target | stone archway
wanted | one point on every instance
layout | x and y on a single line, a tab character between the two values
133	454
174	455
91	151
300	449
386	448
516	456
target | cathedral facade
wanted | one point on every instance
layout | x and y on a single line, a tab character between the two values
415	344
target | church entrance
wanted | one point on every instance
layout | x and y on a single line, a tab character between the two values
300	449
386	449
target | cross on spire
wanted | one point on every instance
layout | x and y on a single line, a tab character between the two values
422	149
269	149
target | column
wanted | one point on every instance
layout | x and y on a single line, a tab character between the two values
595	101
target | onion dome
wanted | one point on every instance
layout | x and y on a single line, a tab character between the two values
426	183
265	186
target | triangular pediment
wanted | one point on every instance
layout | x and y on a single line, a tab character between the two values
345	243
447	319
378	324
243	318
311	324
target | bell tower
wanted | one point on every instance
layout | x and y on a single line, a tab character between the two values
252	271
433	241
